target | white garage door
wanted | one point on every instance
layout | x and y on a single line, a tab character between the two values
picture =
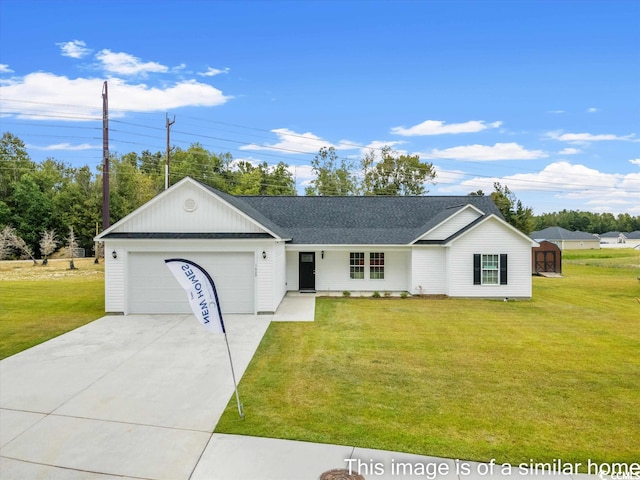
153	289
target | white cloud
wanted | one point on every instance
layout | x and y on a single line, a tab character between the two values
586	137
437	127
564	180
212	72
635	161
592	110
292	142
569	151
125	64
5	68
74	49
65	146
556	111
448	177
499	151
303	175
564	176
79	99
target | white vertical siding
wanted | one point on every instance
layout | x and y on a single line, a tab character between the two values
491	237
280	274
264	279
114	279
452	224
429	270
168	214
291	259
270	277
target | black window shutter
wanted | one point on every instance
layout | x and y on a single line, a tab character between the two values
476	269
503	269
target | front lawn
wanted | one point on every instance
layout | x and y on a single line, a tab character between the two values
557	377
40	302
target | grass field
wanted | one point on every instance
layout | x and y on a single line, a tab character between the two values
557	377
40	302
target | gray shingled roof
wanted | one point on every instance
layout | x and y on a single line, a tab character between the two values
359	220
559	233
349	220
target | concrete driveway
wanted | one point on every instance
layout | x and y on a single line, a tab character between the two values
135	396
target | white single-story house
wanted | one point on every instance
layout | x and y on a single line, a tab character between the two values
257	248
566	239
632	239
620	239
612	238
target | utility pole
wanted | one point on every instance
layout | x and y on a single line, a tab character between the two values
105	158
166	165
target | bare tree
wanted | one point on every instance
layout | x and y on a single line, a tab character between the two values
72	244
6	241
12	239
21	245
48	244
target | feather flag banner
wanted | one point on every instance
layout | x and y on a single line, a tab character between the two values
201	292
203	298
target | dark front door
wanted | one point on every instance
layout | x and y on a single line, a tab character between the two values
307	271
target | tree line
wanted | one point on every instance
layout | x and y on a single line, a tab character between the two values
55	198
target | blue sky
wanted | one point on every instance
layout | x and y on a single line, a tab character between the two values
542	96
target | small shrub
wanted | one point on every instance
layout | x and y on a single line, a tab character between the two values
376	294
387	294
404	295
346	293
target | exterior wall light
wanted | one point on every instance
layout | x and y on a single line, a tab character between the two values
322	253
114	254
264	255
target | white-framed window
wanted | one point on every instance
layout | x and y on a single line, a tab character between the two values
376	265
490	269
356	265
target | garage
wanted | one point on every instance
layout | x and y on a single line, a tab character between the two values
153	289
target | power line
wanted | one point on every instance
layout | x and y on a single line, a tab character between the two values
287	159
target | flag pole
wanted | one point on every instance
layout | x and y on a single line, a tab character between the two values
233	375
200	304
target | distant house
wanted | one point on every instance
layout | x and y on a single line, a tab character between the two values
612	238
258	248
566	239
633	239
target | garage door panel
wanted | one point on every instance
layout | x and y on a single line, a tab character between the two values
153	289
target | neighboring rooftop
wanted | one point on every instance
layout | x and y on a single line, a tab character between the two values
559	233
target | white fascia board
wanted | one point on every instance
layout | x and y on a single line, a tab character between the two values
298	247
446	220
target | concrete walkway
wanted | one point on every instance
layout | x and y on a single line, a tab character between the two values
296	307
137	397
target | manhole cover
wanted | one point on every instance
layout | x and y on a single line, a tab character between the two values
341	474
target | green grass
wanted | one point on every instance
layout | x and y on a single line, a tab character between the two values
557	377
49	302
